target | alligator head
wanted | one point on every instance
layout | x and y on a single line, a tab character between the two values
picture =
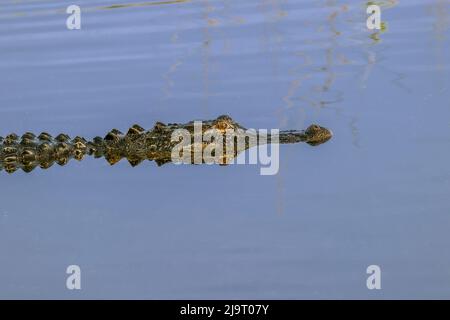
315	135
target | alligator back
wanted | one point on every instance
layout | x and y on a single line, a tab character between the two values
30	151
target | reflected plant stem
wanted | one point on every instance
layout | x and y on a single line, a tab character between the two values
271	42
168	76
441	30
206	55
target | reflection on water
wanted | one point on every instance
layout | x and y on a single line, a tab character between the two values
225	231
441	26
142	4
218	141
206	51
88	8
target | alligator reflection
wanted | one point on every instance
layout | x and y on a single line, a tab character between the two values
28	152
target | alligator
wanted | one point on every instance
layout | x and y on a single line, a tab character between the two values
30	151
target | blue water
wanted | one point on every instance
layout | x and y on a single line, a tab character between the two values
377	193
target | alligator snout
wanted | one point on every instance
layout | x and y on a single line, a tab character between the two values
316	135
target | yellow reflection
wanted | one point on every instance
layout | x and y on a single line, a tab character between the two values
142	4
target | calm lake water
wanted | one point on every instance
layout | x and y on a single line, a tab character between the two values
377	193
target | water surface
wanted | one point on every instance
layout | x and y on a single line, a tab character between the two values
377	193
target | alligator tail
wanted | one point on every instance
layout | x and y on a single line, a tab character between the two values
30	151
